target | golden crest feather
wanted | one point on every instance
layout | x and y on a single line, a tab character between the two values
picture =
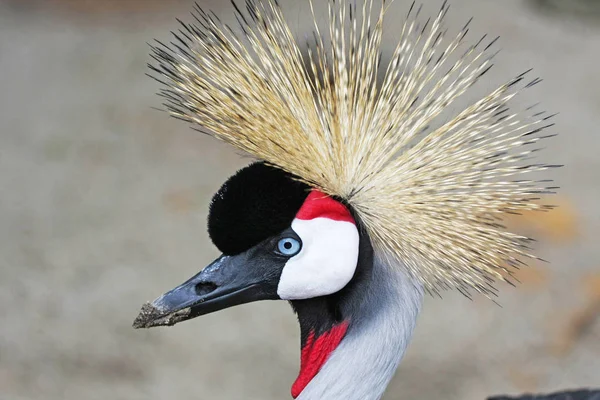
431	199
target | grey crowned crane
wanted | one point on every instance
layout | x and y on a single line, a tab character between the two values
362	199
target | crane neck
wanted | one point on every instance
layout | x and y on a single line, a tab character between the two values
353	341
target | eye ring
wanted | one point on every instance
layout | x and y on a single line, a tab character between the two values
289	246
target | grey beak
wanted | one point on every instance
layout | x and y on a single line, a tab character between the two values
226	282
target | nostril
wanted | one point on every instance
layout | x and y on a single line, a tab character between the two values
204	288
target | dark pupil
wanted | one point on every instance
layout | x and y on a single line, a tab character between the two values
287	245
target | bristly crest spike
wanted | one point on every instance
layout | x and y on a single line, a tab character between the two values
430	191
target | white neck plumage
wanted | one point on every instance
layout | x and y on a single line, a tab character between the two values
363	364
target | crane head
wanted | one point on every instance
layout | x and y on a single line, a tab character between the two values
279	239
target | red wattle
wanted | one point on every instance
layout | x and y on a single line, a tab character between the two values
320	205
315	353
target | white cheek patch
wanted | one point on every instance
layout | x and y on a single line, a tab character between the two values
326	262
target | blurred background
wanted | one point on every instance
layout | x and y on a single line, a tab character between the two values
104	202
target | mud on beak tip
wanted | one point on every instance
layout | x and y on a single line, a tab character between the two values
152	315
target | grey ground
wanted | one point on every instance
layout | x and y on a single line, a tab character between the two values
104	201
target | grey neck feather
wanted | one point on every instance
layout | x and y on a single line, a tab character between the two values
365	361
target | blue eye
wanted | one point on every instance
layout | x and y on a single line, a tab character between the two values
288	246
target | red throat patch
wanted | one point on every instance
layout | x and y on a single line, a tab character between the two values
320	205
315	353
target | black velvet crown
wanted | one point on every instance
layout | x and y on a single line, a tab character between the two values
257	202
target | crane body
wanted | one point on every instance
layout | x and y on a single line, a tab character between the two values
356	208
